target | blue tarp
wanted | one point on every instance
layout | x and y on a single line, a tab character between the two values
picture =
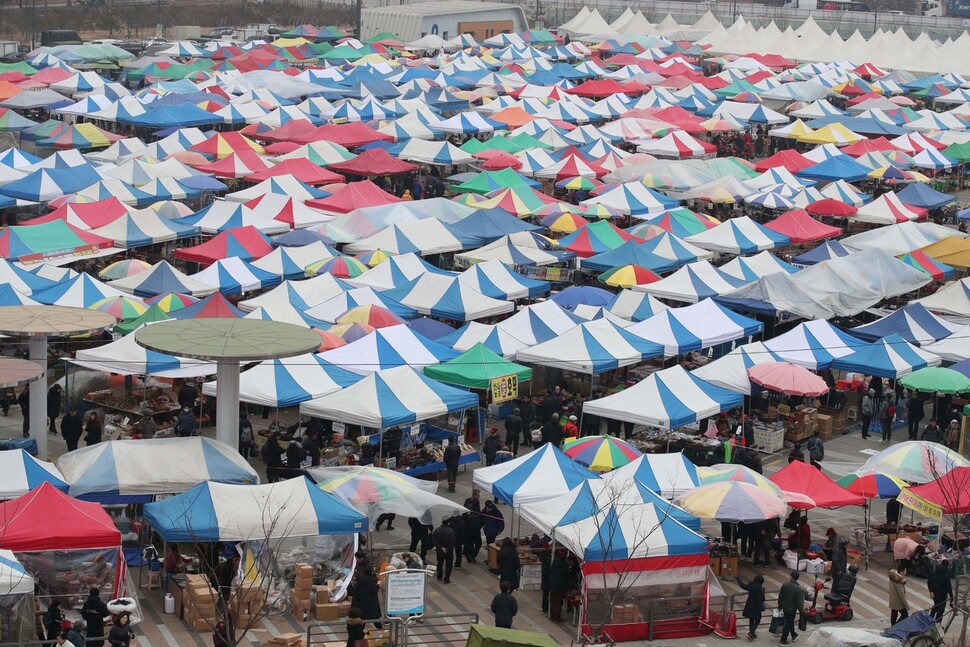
913	323
630	253
922	195
824	252
840	167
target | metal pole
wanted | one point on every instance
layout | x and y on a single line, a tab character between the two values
37	346
227	403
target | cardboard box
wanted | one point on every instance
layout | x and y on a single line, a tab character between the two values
326	612
716	565
824	423
729	567
286	640
299	604
493	557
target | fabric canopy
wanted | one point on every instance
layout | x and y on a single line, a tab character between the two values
23	473
740	235
541	475
802	478
476	368
695	327
14	578
692	283
891	357
731	370
669	475
396	396
800	227
213	512
668	399
448	297
125	357
814	345
389	347
592	347
27	523
130	468
281	383
914	323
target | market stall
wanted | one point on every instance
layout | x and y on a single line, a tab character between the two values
20	473
17	623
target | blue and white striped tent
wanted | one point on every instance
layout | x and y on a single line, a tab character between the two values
112	188
668	399
752	268
125	357
10	296
387	348
635	306
914	323
692	283
302	295
22	473
331	309
466	123
539	476
286	314
396	396
22	280
633	198
827	250
162	278
592	347
494	279
235	276
667	475
144	227
891	357
14	578
422	151
45	184
280	383
79	292
814	344
738	236
290	262
214	512
396	271
600	524
630	253
222	215
448	298
539	322
731	370
489	335
694	327
429	236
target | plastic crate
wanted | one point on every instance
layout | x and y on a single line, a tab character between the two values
769	440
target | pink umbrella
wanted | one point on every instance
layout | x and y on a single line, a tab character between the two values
787	378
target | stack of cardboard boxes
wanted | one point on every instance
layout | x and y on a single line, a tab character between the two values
302	587
801	424
285	640
199	602
245	603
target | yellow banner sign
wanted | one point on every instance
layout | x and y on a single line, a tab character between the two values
919	504
505	388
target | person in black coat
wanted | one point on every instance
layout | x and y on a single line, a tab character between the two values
294	459
367	596
558	581
272	455
420	534
493	522
54	406
552	431
473	527
755	604
94	612
452	459
941	589
513	431
504	606
508	564
52	619
552	403
491	445
796	454
527	411
72	426
121	633
458	523
92	429
444	547
24	401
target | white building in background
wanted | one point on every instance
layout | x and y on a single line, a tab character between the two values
410	22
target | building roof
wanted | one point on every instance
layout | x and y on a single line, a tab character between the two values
406	21
423	9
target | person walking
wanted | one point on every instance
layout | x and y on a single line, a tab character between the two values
53	406
941	589
508	563
94	612
552	431
24	401
246	437
898	605
866	411
444	549
754	606
493	522
367	596
931	432
491	445
472	539
558	580
272	455
513	431
52	619
452	457
72	426
791	600
355	629
504	606
527	411
121	633
886	411
914	413
92	429
420	534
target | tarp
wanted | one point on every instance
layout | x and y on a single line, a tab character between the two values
913	323
752	268
802	478
27	526
740	235
904	237
731	370
23	473
162	278
592	347
891	357
476	368
494	279
214	512
130	468
692	283
800	227
55	239
246	243
539	322
280	383
599	522
448	298
395	396
694	327
668	399
538	476
669	475
387	348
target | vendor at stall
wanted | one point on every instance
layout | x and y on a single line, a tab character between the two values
907	552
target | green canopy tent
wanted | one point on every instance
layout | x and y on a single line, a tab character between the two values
153	314
488	181
488	636
476	368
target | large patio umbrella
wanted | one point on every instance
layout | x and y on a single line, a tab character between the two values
732	502
600	453
915	461
935	379
788	378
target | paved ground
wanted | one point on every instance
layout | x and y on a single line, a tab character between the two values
473	587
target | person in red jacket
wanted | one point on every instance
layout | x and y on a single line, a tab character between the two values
570	430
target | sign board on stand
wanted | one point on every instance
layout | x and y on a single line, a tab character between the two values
405	593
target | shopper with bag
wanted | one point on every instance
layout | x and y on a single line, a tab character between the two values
791	600
355	629
754	606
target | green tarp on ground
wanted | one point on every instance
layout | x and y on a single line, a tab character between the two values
476	368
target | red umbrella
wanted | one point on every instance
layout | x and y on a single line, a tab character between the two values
500	161
831	207
787	378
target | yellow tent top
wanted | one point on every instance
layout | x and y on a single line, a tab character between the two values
832	134
951	250
289	42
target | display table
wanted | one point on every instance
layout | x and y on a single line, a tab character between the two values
439	466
